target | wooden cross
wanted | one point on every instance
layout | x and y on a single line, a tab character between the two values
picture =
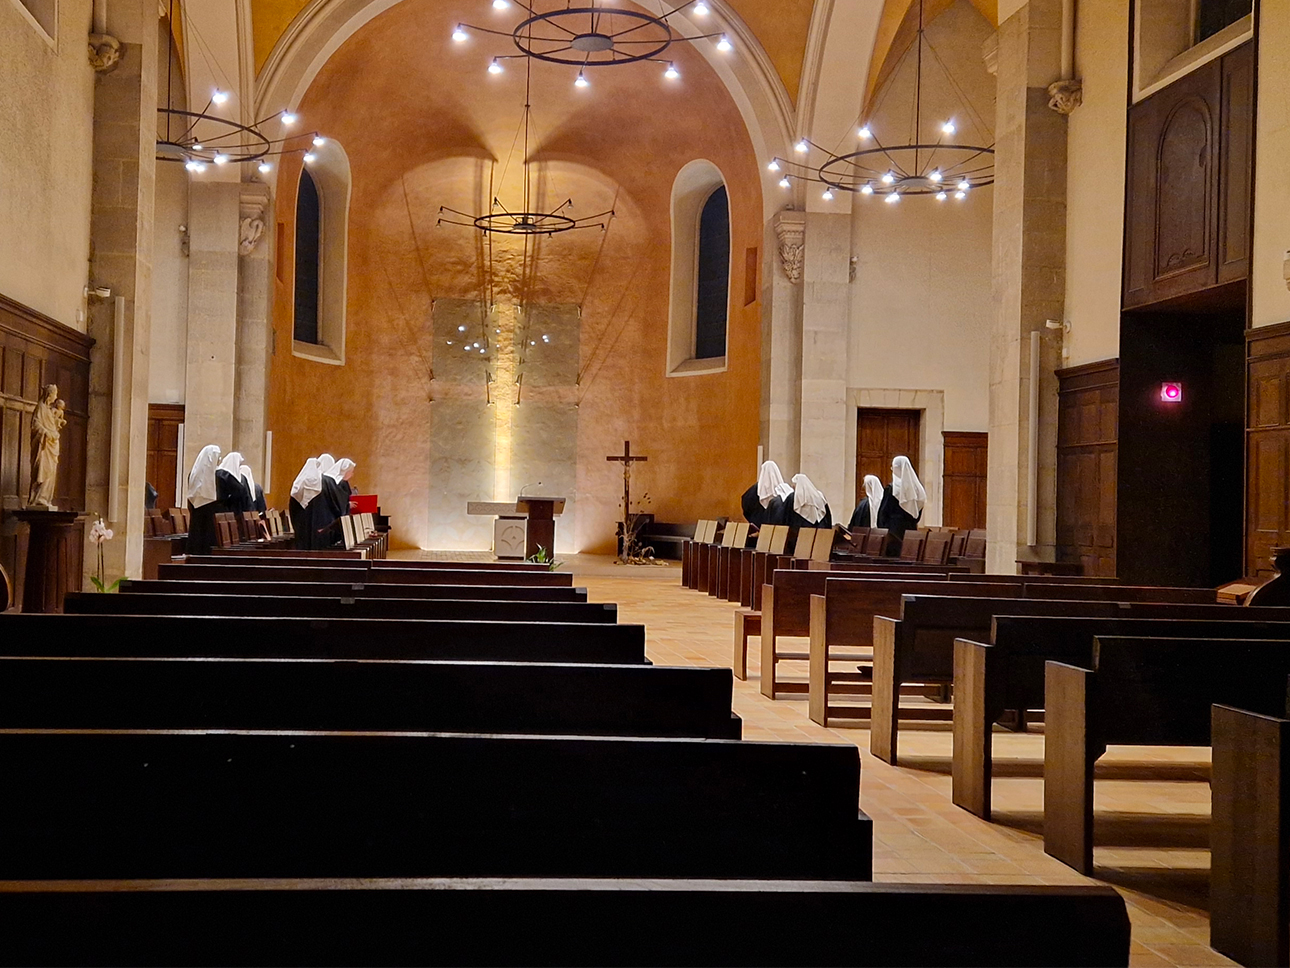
628	458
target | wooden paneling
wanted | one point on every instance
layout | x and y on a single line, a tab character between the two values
965	465
1187	200
1087	441
1267	445
163	449
36	350
882	435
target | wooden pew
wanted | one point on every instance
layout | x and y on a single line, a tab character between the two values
355	589
325	694
786	611
336	638
534	921
1141	691
352	559
320	573
315	606
196	804
1249	866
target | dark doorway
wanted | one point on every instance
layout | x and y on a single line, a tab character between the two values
881	436
164	420
964	478
1181	464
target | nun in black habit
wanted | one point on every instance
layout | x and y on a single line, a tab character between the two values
763	503
806	506
902	503
203	503
229	486
870	506
305	489
254	489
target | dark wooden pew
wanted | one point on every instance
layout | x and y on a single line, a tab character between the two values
334	638
138	603
533	921
1249	837
347	573
355	589
328	694
1141	691
351	560
1009	673
187	804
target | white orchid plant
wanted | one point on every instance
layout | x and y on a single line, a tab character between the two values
100	533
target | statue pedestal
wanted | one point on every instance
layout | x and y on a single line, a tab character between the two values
50	561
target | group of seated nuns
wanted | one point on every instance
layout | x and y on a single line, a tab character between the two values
320	497
801	505
214	486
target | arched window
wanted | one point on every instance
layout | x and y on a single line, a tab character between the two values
321	230
700	291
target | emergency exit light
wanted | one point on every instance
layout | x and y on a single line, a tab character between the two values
1171	392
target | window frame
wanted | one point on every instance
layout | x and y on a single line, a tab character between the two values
691	190
331	177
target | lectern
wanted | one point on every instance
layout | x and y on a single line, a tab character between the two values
541	512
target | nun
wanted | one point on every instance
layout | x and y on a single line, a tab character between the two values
230	489
322	513
306	487
336	485
763	503
254	489
203	502
806	507
902	504
866	511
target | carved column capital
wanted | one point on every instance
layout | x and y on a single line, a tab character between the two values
104	53
1065	96
253	202
790	230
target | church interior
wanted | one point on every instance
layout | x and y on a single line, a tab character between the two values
504	461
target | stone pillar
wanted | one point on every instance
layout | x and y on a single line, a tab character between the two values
210	374
121	239
826	313
254	282
1029	279
781	359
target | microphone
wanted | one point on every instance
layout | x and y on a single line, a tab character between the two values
527	486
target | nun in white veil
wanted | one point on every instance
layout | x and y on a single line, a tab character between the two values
336	486
254	489
902	505
866	512
203	502
807	507
306	487
229	486
763	503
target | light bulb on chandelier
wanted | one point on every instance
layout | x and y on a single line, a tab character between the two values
671	73
785	183
495	67
724	44
828	195
581	80
773	166
460	34
865	133
701	9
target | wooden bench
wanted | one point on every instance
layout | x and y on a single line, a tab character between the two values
558	699
1249	830
321	573
358	588
195	804
1141	691
315	606
656	921
1008	674
337	638
353	559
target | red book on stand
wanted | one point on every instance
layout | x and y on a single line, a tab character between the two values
363	504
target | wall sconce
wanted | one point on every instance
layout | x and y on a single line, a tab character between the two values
1171	392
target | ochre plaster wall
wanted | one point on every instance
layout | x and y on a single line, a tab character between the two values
47	116
422	123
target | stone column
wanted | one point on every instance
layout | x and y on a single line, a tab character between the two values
121	239
1029	279
825	315
781	360
210	374
254	282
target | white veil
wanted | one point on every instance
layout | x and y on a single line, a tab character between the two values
771	484
308	483
201	479
807	499
873	491
906	487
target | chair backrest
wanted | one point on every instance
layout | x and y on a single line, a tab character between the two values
729	535
179	518
912	546
225	530
974	547
875	541
805	542
347	530
936	549
779	539
823	546
957	540
764	535
741	534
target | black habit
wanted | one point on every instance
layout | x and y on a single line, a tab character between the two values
860	517
202	534
795	520
895	519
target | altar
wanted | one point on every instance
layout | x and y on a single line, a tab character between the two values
523	527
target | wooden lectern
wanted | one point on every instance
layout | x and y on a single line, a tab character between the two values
541	512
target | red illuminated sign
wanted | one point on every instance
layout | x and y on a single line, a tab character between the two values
1171	392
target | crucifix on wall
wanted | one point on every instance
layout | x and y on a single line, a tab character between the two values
627	458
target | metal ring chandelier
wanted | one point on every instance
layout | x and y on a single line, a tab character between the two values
942	168
597	35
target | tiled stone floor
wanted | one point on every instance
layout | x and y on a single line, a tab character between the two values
1152	803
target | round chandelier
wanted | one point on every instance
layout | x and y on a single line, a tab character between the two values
597	35
941	168
499	220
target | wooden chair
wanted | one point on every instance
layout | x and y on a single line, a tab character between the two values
936	549
974	546
805	542
823	547
911	547
875	542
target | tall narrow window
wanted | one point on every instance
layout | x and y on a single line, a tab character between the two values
308	237
713	289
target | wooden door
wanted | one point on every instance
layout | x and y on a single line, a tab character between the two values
164	420
965	473
1087	469
1267	446
881	436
